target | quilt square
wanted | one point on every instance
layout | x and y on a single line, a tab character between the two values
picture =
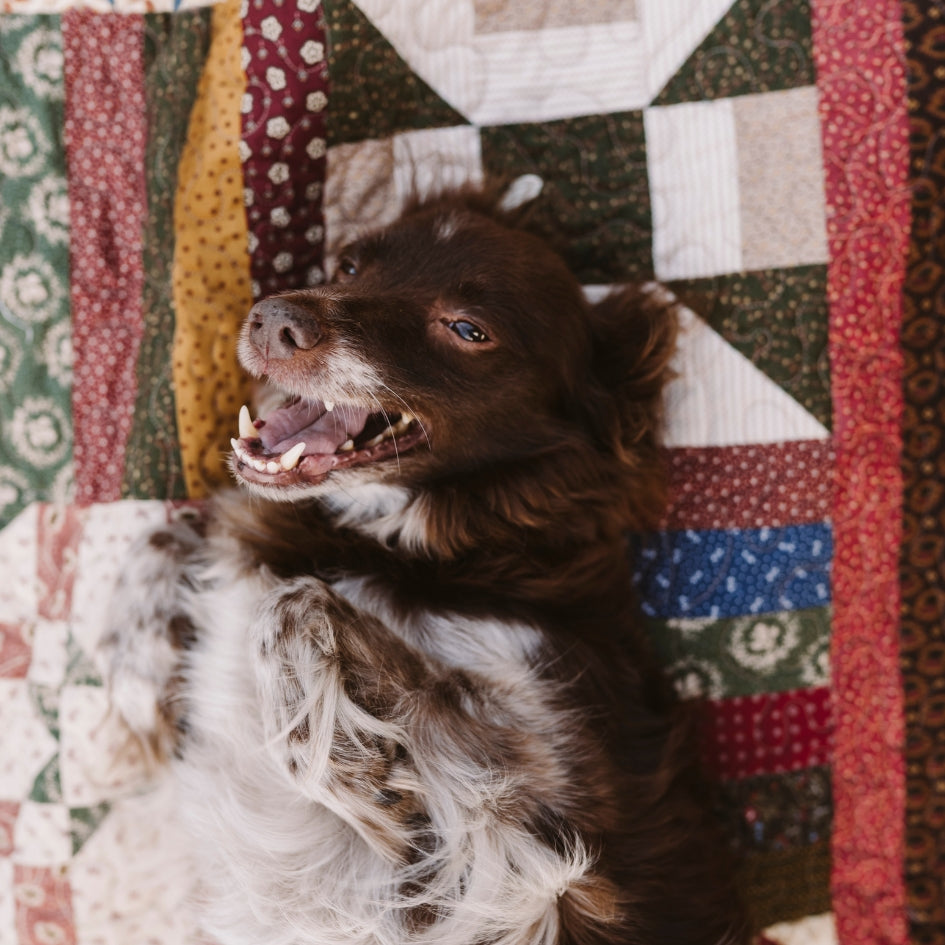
693	172
780	179
26	744
595	205
496	16
370	180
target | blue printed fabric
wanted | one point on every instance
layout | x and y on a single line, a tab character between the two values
734	572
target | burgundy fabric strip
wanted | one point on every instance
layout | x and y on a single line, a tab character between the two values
751	486
767	733
105	145
858	52
283	146
922	562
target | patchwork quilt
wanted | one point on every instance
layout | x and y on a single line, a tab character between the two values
778	163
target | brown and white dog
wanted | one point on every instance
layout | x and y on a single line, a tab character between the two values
399	676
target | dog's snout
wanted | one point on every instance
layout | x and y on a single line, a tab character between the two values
279	327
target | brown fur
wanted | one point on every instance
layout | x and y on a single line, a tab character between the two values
526	512
539	453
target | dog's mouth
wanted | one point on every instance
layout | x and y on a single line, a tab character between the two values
302	441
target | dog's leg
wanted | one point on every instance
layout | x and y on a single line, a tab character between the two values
333	690
450	776
140	650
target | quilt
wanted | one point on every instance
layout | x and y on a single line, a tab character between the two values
778	163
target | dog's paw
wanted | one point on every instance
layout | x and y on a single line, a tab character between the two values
311	676
303	609
140	649
332	697
296	670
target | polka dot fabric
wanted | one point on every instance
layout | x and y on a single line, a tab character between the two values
283	147
211	267
767	733
105	138
749	486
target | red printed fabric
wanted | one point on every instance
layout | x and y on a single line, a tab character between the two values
865	144
768	733
105	143
283	146
749	486
43	904
58	533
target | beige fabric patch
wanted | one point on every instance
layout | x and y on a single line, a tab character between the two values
359	193
780	179
369	182
497	16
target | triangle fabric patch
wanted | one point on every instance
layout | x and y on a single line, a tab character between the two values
778	319
719	398
374	92
756	47
47	785
84	821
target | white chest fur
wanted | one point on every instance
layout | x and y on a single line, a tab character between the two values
282	865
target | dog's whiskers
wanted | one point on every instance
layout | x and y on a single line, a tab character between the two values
408	409
389	424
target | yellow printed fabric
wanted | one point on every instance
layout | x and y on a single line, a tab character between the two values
211	262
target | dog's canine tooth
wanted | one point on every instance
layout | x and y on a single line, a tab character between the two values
346	447
329	405
247	428
290	458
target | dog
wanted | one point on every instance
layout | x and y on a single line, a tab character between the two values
398	673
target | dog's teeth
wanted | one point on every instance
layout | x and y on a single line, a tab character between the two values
394	430
346	447
290	459
329	405
273	467
248	429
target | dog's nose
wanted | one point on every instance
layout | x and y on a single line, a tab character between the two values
279	327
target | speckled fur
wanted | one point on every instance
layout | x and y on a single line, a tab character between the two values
410	703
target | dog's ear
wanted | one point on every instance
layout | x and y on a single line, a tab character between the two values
634	333
519	193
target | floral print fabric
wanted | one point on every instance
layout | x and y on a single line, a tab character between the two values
36	360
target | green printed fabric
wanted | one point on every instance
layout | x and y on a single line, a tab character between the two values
35	332
595	206
743	656
175	49
374	93
758	46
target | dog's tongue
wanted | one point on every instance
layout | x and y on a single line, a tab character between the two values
321	431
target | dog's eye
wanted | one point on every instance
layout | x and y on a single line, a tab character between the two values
347	267
468	331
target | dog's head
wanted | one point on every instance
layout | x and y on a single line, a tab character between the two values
451	344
